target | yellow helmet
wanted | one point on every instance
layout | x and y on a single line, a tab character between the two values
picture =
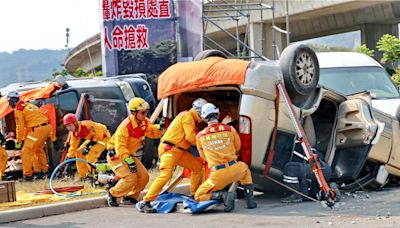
138	104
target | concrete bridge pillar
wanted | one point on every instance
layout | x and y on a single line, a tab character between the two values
371	33
264	43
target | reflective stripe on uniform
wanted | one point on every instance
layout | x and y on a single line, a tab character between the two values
167	155
290	178
32	138
211	183
102	143
117	166
291	181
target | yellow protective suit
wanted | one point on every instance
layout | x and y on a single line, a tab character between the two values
3	160
91	132
126	141
218	144
28	117
180	135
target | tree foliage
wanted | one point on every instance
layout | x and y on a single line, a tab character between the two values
365	50
390	46
327	48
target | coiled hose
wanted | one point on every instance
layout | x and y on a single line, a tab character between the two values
69	195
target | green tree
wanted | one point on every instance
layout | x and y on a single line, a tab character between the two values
390	46
63	72
326	48
79	72
365	50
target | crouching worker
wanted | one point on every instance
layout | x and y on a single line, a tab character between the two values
219	144
122	149
300	177
88	140
173	151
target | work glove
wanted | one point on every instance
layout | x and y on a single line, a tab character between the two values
162	123
131	164
18	146
85	151
66	147
89	146
112	154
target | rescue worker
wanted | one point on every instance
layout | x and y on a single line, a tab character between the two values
299	176
3	156
88	140
173	151
123	146
219	144
30	118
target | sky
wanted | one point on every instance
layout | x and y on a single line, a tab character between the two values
39	24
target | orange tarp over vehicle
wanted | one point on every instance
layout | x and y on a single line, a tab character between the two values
33	94
212	71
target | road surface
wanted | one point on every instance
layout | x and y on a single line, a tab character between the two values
362	209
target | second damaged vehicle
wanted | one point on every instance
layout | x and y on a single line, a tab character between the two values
342	127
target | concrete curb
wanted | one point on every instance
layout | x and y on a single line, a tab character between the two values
66	207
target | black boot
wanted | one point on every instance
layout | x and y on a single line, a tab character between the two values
28	178
146	207
129	200
227	197
248	193
39	176
112	201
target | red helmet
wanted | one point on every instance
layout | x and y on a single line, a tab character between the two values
70	118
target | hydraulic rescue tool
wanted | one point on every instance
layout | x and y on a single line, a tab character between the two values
302	138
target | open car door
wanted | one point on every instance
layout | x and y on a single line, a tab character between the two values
356	130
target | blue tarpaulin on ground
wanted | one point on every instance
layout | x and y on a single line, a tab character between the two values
166	203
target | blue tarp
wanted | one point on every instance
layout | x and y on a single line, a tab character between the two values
167	202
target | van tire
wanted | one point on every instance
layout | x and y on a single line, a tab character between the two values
299	83
150	153
209	53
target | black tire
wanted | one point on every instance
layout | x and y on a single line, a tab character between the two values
300	69
150	153
208	53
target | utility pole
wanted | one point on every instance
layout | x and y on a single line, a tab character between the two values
67	37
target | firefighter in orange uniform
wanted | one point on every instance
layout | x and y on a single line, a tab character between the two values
94	137
31	118
173	151
3	155
122	148
219	144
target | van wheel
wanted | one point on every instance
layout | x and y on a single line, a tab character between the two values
150	153
209	53
300	69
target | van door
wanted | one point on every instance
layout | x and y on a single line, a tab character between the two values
111	112
356	129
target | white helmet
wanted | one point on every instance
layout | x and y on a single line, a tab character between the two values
198	103
12	94
208	109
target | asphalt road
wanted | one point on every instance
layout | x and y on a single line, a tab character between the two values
362	209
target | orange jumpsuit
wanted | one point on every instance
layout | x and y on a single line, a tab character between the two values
180	135
29	117
126	141
3	156
90	131
3	160
218	144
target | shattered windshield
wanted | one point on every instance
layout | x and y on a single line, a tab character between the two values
351	80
